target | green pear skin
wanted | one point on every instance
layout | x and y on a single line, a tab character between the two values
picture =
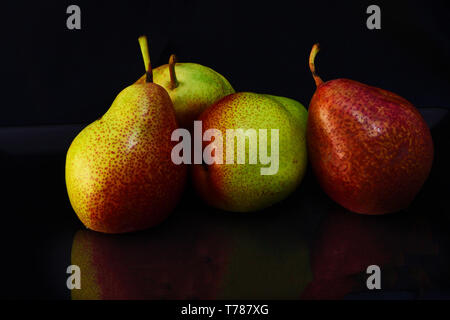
192	88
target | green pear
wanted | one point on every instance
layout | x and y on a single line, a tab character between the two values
119	173
279	127
296	109
192	88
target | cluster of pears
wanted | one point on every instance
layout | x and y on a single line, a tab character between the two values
370	149
119	173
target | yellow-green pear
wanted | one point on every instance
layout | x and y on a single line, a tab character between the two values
256	149
119	173
192	88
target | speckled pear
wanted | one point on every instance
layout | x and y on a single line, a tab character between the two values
192	88
119	173
370	149
242	187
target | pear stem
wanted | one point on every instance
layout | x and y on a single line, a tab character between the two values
146	56
314	51
173	76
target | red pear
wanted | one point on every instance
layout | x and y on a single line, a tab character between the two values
370	149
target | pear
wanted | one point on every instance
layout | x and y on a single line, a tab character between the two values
119	173
370	149
192	88
244	186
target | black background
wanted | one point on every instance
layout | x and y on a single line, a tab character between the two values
56	75
52	75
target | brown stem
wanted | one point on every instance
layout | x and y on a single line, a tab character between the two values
314	51
149	75
173	76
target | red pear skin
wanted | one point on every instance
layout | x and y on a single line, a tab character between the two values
370	149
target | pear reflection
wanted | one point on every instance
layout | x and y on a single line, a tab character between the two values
225	258
149	266
348	243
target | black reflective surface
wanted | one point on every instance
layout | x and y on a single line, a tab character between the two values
306	247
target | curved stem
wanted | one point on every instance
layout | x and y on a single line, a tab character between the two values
146	56
173	76
314	51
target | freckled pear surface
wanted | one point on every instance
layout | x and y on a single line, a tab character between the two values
370	149
198	88
241	187
119	172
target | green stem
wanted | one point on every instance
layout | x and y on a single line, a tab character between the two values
146	56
